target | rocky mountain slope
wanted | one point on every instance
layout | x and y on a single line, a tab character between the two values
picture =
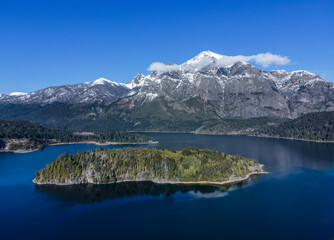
239	90
198	90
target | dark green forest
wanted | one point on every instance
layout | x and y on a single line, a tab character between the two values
39	136
145	164
312	126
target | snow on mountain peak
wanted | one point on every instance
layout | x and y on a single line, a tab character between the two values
280	71
101	81
209	54
212	61
208	58
304	72
202	60
136	80
16	94
140	75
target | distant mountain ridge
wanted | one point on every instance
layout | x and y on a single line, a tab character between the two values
198	90
239	90
101	89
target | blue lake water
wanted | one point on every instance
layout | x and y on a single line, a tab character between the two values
294	201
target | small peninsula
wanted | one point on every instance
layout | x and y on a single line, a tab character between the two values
188	166
22	136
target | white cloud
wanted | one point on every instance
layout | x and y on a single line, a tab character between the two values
203	62
263	59
161	67
266	59
225	61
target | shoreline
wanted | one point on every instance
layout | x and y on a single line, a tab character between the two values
264	136
156	142
104	144
295	139
240	134
226	182
20	151
83	142
247	176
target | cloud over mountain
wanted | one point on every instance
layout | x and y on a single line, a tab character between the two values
206	58
266	59
161	67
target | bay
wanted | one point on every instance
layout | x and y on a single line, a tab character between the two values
294	201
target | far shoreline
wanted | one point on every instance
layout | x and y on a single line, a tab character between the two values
104	143
83	142
239	134
295	139
156	142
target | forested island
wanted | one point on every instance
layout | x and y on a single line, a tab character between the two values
23	136
190	165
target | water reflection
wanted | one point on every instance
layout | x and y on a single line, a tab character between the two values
89	193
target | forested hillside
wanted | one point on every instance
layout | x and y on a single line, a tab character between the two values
312	126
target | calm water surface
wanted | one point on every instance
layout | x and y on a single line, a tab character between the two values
295	201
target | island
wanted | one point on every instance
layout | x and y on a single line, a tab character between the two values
188	166
23	136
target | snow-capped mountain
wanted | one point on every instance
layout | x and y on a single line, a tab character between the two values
99	90
229	88
238	89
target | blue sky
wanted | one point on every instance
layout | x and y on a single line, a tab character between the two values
47	43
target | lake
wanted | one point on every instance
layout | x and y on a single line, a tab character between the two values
294	201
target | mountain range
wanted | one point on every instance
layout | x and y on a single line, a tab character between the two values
178	97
